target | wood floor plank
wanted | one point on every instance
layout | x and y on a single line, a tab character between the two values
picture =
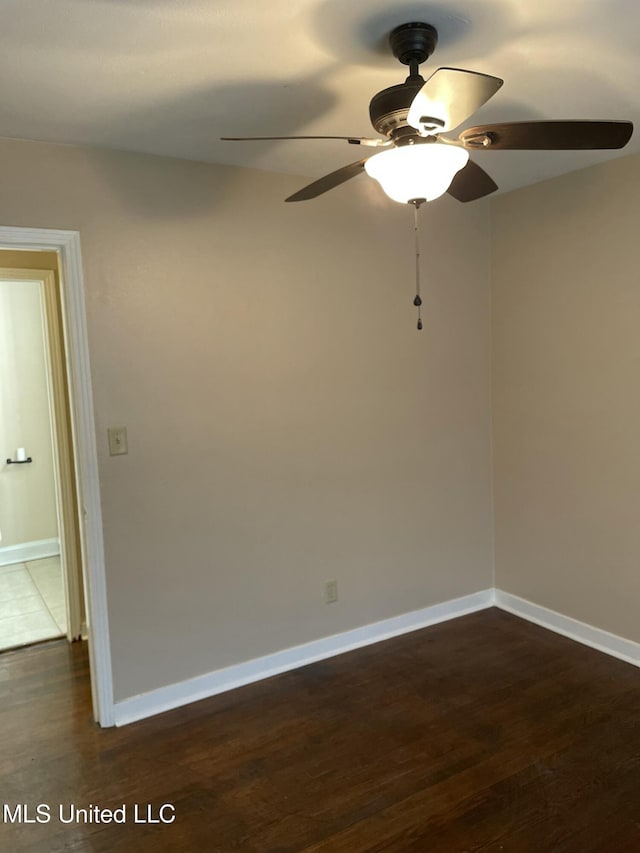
485	733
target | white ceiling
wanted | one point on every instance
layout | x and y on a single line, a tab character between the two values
172	76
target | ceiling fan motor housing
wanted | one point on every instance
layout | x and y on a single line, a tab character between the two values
389	108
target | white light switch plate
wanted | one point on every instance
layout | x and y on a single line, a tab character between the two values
117	441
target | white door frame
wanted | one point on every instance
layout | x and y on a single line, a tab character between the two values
67	245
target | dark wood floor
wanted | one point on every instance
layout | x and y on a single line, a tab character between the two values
484	733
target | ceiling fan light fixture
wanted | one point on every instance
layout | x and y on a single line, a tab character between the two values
422	171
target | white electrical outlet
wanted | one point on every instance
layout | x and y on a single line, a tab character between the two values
330	592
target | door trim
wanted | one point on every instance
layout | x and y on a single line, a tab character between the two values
68	508
67	245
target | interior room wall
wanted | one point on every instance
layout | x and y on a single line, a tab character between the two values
287	424
27	492
566	408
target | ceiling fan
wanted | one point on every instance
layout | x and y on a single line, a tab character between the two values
419	163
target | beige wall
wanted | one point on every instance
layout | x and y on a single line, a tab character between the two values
287	423
27	492
566	405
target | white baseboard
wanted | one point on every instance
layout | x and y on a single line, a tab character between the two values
603	641
27	551
203	686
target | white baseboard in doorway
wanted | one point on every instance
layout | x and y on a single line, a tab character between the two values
603	641
28	551
212	683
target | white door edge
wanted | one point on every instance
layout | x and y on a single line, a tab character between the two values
67	244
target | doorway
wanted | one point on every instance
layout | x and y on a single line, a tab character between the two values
40	563
32	246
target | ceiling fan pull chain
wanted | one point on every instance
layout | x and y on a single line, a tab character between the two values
416	202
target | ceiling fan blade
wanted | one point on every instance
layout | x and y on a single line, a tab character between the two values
352	140
548	135
449	97
328	182
471	182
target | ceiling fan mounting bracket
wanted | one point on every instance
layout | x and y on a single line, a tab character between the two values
413	43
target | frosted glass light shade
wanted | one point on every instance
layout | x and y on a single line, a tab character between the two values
417	171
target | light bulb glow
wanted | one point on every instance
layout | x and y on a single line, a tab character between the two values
422	171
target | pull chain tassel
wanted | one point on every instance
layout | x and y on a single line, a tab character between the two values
418	299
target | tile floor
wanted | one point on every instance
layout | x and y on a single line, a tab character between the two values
32	604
